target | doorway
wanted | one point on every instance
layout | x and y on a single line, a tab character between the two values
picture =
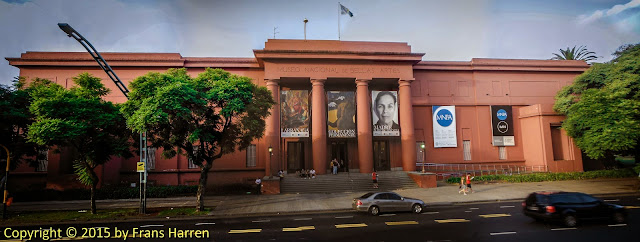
339	151
295	156
381	155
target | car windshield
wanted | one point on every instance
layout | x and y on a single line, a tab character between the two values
367	195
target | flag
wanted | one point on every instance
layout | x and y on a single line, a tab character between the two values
345	10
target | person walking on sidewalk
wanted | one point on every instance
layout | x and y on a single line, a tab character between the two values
258	185
468	179
374	176
463	186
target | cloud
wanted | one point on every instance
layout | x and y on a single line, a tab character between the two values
598	14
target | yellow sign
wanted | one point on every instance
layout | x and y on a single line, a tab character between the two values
140	166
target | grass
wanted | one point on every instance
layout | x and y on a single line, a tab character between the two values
17	218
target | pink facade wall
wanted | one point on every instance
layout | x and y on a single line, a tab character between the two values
471	86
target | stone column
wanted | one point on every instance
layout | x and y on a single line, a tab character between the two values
365	134
319	126
406	126
272	130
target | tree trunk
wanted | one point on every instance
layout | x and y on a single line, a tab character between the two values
204	173
93	198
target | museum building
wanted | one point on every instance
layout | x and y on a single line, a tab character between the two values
368	105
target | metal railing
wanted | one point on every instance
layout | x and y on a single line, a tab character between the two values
443	171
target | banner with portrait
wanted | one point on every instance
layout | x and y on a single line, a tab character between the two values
444	126
384	110
294	110
341	114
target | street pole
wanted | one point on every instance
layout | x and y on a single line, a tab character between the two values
422	146
6	181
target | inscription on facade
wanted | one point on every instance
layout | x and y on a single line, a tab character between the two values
340	70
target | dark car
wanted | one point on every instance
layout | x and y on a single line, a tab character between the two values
377	202
570	207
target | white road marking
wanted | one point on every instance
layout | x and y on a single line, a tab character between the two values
467	211
301	219
345	217
617	225
387	215
474	208
502	233
152	225
612	200
562	229
205	223
430	212
261	221
507	206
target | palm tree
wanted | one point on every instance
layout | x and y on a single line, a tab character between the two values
575	54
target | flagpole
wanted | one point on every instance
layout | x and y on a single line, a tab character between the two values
339	13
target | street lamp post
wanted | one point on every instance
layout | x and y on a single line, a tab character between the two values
270	154
423	155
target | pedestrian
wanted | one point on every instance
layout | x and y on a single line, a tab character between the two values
313	173
334	166
463	186
468	179
258	185
281	174
374	176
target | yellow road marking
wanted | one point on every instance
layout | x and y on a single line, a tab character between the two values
401	223
67	238
242	231
298	229
497	215
342	226
455	220
631	206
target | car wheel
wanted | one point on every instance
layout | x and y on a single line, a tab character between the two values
374	210
417	208
570	220
618	217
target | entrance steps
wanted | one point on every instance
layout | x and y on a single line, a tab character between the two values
346	182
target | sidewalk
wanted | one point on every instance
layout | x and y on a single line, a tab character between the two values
251	205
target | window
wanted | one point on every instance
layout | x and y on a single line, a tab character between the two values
393	196
191	164
151	158
43	160
502	152
420	153
466	149
251	156
556	143
382	196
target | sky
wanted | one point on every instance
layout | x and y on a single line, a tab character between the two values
453	30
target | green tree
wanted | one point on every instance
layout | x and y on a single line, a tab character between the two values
78	118
15	119
206	117
575	54
603	106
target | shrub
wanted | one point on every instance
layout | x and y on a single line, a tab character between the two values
560	176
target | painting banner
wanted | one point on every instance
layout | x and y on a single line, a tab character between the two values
294	108
341	114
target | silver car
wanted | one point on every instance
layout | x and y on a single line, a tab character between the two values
377	202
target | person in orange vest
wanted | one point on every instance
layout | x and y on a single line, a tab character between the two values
374	176
468	180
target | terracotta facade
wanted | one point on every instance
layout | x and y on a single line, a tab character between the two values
320	66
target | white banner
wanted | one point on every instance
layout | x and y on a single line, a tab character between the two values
444	126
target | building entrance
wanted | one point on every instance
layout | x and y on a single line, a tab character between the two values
295	156
381	155
339	151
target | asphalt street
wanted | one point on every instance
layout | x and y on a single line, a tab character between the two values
497	221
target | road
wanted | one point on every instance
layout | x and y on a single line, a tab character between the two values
499	221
